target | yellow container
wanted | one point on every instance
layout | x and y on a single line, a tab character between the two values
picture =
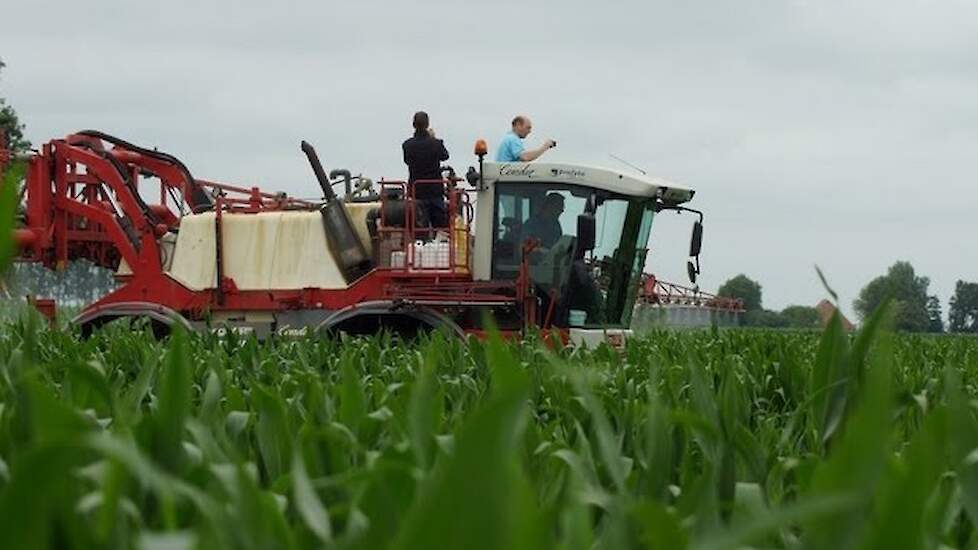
461	243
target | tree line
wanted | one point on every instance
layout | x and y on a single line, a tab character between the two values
915	309
79	283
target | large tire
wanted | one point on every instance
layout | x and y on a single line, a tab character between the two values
364	325
368	319
162	319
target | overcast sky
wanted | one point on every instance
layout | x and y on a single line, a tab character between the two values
842	134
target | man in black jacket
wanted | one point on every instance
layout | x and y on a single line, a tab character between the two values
423	154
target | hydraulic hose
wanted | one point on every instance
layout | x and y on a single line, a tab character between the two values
124	221
198	197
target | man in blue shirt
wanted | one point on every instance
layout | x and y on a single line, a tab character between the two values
511	149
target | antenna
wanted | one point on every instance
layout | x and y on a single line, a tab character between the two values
626	163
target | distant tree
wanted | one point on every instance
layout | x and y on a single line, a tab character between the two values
13	133
800	317
935	321
964	308
765	318
744	288
10	125
80	282
909	293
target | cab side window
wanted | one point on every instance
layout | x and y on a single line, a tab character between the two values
539	211
512	210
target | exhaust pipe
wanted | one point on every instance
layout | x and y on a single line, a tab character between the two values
317	168
344	244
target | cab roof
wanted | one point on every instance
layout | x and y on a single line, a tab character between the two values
634	185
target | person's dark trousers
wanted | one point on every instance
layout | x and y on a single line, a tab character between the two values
437	212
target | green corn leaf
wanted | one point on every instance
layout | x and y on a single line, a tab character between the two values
825	283
963	441
390	489
491	509
174	403
89	388
704	400
353	403
258	517
113	486
272	431
867	335
43	417
574	521
726	481
808	511
607	442
829	379
27	508
660	528
586	482
210	405
133	397
658	449
307	502
8	212
857	460
423	412
903	494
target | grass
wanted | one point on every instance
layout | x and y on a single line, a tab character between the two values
701	439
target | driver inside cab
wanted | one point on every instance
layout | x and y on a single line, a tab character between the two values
545	225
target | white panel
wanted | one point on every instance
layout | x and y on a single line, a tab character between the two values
635	185
271	250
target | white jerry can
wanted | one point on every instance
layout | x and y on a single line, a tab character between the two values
398	259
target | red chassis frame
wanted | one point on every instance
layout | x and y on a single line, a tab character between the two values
83	201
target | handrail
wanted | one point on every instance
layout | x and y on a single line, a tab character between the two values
254	198
402	235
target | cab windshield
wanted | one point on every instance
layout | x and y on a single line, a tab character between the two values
595	288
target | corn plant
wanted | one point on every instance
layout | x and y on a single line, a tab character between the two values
698	439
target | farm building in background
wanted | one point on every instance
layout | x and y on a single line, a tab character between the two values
825	310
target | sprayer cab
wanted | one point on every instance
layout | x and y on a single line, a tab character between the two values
589	228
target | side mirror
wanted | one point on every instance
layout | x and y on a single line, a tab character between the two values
585	232
692	272
696	242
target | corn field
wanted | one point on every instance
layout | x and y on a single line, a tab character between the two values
701	439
